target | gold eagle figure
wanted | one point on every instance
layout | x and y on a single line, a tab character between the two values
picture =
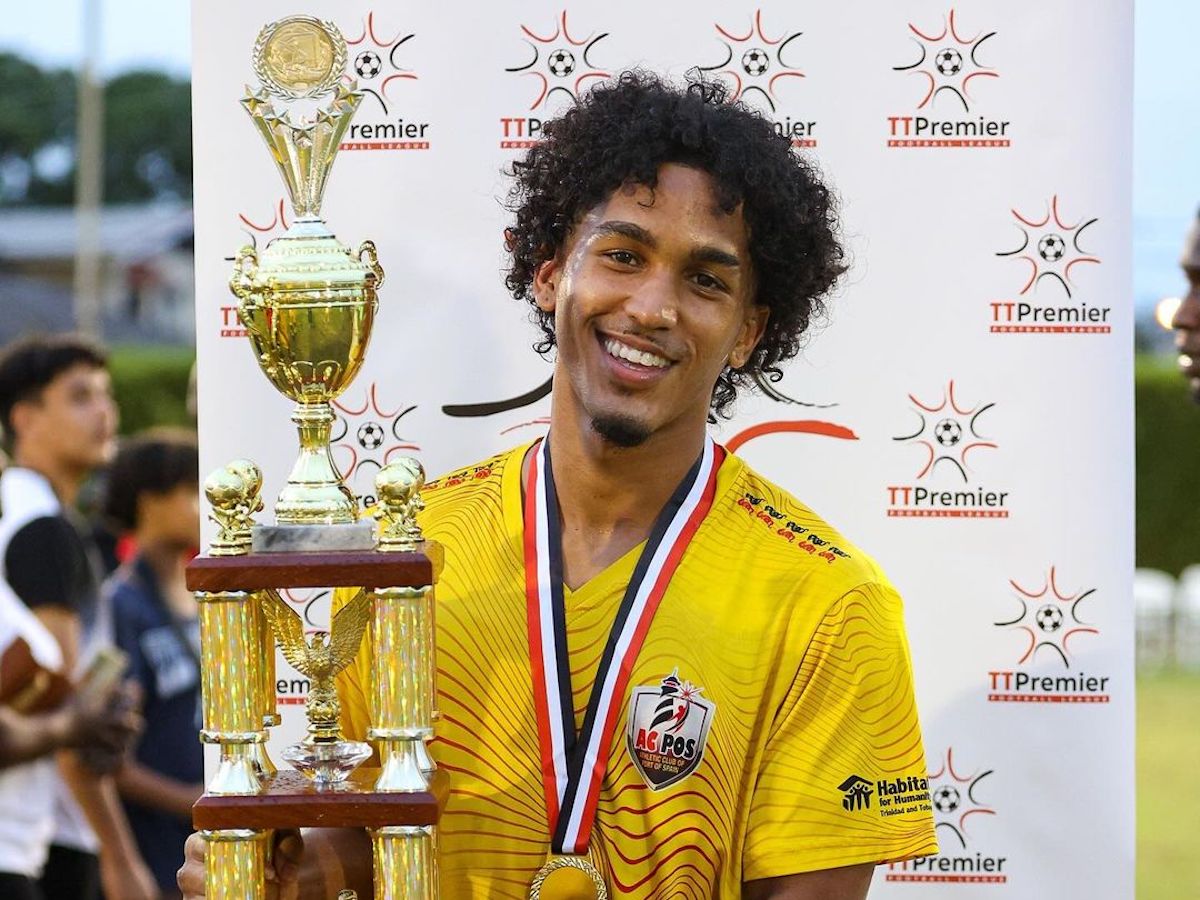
321	657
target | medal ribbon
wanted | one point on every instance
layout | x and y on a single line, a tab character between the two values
573	765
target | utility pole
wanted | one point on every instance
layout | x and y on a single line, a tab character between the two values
89	177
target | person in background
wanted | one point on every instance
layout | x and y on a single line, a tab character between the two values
152	496
59	425
1186	321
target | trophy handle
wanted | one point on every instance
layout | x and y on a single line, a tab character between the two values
241	282
367	255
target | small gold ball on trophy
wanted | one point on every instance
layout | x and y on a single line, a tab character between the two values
398	487
233	492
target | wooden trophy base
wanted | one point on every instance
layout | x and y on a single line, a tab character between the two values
292	800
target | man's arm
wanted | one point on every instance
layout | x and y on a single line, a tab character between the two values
142	785
846	883
123	872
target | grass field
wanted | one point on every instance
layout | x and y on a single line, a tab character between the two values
1168	786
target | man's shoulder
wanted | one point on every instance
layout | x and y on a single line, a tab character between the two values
481	482
787	537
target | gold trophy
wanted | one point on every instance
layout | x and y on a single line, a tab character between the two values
308	304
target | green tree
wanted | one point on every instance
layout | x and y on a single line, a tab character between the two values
147	135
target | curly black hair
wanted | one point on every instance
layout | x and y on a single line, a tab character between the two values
622	132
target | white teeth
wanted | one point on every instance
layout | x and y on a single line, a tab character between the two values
641	357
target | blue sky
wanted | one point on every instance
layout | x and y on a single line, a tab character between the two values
1166	188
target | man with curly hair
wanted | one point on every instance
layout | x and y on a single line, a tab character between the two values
659	674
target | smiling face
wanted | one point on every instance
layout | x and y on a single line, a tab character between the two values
1187	318
652	296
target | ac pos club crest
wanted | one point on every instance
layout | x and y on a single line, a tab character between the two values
668	726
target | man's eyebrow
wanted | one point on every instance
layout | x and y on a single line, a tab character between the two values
712	255
716	257
627	229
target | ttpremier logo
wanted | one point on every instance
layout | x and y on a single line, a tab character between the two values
366	437
755	67
1047	620
1048	303
949	66
946	435
557	66
956	799
377	62
668	727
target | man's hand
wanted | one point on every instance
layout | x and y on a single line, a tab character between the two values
283	871
107	724
127	879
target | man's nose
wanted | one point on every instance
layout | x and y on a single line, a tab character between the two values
655	301
1187	317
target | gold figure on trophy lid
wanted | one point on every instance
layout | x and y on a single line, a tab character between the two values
300	56
398	487
234	493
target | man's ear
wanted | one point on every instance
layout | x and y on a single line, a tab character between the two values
753	328
19	418
545	284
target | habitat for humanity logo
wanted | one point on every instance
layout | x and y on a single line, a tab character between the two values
946	435
1049	249
366	437
754	65
557	65
956	800
380	67
1047	621
948	67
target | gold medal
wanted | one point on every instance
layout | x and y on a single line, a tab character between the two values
568	878
299	56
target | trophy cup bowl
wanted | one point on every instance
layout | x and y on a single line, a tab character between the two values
308	304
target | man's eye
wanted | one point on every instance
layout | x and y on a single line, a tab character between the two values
624	257
708	282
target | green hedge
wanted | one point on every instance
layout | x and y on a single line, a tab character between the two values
1168	467
150	384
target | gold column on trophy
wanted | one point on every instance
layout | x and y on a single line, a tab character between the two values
309	304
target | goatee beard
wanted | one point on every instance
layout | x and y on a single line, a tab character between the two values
621	430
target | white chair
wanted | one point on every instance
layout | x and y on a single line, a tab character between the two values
1153	601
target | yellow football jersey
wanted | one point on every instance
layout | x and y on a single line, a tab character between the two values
770	727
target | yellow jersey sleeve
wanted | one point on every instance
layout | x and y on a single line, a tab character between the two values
842	778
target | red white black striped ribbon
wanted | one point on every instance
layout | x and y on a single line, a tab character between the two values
573	765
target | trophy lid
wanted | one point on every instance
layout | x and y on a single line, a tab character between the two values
299	56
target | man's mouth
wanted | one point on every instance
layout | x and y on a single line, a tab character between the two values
620	350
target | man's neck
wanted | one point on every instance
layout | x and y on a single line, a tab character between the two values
65	481
609	496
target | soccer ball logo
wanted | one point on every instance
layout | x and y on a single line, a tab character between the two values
370	435
1049	618
1051	248
948	61
368	64
946	799
948	432
561	63
755	61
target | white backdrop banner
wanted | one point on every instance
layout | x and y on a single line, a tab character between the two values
965	416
